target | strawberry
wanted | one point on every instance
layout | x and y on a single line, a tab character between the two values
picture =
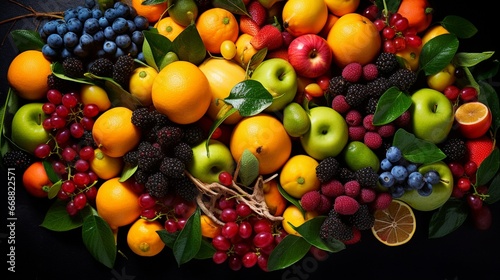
480	148
248	25
269	36
278	53
257	12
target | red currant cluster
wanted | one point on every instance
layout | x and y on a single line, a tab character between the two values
70	153
396	33
245	239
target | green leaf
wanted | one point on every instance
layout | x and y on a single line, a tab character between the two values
257	58
459	26
189	46
415	149
54	189
188	242
489	97
391	105
309	231
448	218
290	250
249	97
392	5
206	250
438	53
234	6
153	2
249	168
12	104
493	190
471	59
58	219
155	48
27	40
51	173
488	71
99	240
127	172
167	237
488	168
58	71
117	95
290	198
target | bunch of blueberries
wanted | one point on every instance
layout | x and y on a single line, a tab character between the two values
87	32
400	175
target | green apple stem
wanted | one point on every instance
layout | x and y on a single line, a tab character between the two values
444	181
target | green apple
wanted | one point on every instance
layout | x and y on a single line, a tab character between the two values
279	78
27	127
295	120
327	135
208	164
441	191
432	115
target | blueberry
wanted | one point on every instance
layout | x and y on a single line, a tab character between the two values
432	177
397	191
103	22
131	26
416	180
393	154
75	25
123	41
426	190
50	27
110	14
91	26
141	57
385	164
90	3
399	172
109	34
141	22
132	12
49	53
70	39
96	13
109	47
84	14
122	10
65	53
120	25
70	13
99	37
133	50
80	52
86	41
386	179
62	29
411	167
119	52
55	41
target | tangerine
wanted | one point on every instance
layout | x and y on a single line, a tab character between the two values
104	166
143	239
298	175
141	84
244	50
276	203
93	94
294	216
20	74
209	228
151	12
169	28
302	16
394	225
418	13
473	118
35	178
342	7
180	87
216	25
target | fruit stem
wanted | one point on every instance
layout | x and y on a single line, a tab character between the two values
32	14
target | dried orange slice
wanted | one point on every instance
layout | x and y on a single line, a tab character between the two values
473	118
394	225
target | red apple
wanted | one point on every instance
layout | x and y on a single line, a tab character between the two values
310	55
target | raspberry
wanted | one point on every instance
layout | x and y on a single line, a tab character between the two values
352	188
403	120
386	130
324	205
370	72
353	117
356	237
373	140
352	72
368	123
382	201
340	105
366	195
356	133
345	205
310	200
332	188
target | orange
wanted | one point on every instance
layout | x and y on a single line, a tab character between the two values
222	76
411	56
354	38
181	92
216	25
433	32
35	178
114	132
152	12
265	137
330	21
93	94
418	13
303	16
276	203
298	175
209	228
293	215
479	149
244	50
394	225
28	73
117	203
473	118
104	166
143	239
342	7
141	84
169	28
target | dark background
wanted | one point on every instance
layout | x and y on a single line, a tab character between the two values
464	254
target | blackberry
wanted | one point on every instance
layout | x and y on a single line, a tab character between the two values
143	118
334	227
363	219
141	176
73	67
378	86
169	135
17	159
371	105
327	169
403	79
183	152
185	188
367	177
149	156
161	119
172	167
122	69
345	175
61	85
454	148
102	67
338	85
386	63
87	139
131	158
157	185
356	94
192	134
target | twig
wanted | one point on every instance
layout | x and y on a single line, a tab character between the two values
33	13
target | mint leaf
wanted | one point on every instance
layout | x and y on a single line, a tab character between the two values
415	149
448	218
390	106
290	250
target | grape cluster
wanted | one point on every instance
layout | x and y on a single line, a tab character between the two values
399	175
395	30
71	147
87	32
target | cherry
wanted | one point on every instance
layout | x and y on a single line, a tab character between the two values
451	92
474	201
468	94
464	184
225	178
470	168
482	218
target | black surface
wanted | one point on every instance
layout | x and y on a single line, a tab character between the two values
465	254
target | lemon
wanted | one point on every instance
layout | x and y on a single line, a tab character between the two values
357	155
